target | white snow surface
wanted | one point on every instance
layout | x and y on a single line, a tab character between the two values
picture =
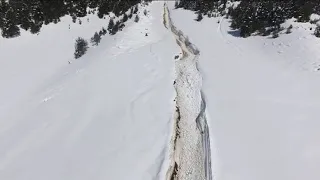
108	115
263	99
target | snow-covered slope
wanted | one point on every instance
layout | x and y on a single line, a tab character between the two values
29	60
263	100
109	114
105	116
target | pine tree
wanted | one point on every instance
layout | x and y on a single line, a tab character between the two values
10	28
176	4
275	34
199	17
35	28
74	19
289	29
103	31
136	9
81	47
130	15
110	25
136	19
95	40
125	17
115	28
121	26
317	31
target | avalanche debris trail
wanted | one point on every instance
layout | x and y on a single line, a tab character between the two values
190	159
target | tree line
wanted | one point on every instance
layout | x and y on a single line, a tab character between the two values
31	15
256	16
81	45
265	17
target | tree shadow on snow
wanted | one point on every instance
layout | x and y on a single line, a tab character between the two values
235	33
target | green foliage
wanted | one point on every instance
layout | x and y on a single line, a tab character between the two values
102	32
136	9
275	34
136	19
130	14
256	16
95	40
115	28
289	29
121	26
125	17
253	15
199	17
33	14
110	25
317	32
176	4
81	47
10	31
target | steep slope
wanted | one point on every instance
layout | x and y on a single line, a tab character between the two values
105	116
262	100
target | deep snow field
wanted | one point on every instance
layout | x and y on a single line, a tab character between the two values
263	99
105	116
110	114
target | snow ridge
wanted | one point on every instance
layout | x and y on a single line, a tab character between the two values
191	143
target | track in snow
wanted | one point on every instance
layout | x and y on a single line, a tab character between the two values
191	145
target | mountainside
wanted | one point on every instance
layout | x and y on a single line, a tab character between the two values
257	17
33	14
169	90
262	99
106	115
